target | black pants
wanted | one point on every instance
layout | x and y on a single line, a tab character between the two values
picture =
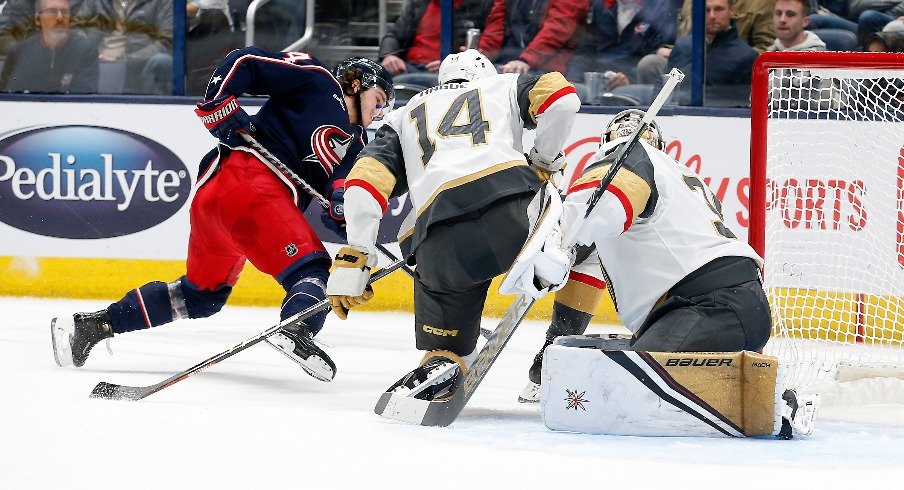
456	263
724	319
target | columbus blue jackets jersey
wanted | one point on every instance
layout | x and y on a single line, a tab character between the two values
304	122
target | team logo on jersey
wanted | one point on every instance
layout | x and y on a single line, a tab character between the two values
575	400
330	145
291	250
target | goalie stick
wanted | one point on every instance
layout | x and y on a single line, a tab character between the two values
113	391
413	407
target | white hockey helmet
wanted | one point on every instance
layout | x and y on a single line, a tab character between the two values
625	122
468	65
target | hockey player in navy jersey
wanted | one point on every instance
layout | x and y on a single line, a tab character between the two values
247	209
680	279
457	150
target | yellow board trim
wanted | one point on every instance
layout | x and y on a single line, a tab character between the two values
110	279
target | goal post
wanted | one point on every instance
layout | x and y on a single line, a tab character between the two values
827	212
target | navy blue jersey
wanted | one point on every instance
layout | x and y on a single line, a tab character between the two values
304	123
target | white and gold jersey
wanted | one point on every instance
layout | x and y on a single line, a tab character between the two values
656	223
457	148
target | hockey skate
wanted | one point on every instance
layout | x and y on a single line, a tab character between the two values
298	345
74	336
436	379
531	392
798	414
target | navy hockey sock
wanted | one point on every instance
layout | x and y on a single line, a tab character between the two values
306	287
158	303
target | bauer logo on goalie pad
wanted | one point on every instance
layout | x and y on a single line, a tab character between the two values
656	394
88	182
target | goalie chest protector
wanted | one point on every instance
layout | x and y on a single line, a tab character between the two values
638	393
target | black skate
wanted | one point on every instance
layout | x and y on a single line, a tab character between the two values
298	345
435	380
531	392
74	336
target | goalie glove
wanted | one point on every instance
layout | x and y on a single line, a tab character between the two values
543	167
225	118
348	285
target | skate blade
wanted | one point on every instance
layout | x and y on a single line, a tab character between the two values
316	367
530	394
62	349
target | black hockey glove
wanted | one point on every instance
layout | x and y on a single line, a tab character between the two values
224	118
334	217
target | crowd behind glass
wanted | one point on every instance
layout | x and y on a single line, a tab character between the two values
615	51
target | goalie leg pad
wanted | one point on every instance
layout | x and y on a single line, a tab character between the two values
659	394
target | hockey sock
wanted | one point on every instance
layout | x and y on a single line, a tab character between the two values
158	303
306	287
567	321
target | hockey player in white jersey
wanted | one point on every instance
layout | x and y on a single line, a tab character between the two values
680	279
457	150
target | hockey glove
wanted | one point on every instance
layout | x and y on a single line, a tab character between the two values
348	285
224	118
334	217
543	167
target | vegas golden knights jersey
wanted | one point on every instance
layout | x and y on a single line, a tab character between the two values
656	223
457	148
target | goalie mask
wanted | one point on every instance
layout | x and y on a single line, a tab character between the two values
370	74
625	122
468	65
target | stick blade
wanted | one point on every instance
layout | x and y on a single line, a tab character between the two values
111	391
431	413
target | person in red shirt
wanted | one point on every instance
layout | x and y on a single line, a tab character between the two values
533	35
410	50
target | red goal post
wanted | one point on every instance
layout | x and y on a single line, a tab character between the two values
827	211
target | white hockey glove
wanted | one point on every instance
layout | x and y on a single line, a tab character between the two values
543	167
541	266
348	285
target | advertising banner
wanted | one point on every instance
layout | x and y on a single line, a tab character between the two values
114	180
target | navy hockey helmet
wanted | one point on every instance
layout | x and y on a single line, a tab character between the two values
625	122
369	73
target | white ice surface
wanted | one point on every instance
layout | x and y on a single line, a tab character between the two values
257	421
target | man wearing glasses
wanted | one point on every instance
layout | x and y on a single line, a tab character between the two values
53	59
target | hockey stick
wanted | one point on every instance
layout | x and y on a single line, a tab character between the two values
276	162
298	181
113	391
675	77
399	406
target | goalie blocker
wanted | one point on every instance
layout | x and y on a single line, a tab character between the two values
618	392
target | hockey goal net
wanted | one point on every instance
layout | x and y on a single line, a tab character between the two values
827	214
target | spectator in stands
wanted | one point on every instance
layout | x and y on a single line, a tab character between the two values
619	33
874	15
410	48
729	60
535	36
792	17
136	32
754	23
16	19
53	59
892	42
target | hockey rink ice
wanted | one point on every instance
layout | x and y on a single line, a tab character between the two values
257	421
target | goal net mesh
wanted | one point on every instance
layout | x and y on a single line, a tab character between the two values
833	238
